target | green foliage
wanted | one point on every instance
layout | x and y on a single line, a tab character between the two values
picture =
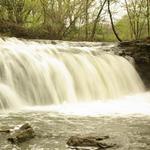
68	19
123	27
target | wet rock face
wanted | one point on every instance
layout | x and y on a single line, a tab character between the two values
89	141
140	51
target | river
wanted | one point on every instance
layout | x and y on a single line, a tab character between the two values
69	88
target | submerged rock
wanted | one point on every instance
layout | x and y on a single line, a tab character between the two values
53	42
21	134
89	141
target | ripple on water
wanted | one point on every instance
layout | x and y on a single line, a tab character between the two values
53	130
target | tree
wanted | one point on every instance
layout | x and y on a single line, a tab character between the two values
112	23
16	11
86	18
97	18
148	17
136	13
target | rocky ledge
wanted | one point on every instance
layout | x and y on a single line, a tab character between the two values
140	51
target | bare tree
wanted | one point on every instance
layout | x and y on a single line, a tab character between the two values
112	23
136	14
86	19
148	17
96	20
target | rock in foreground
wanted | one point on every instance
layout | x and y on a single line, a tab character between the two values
22	134
79	141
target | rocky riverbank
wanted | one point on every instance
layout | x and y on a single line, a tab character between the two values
140	51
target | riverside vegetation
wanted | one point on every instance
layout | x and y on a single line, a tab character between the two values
88	20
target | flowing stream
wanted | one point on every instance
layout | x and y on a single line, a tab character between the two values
69	88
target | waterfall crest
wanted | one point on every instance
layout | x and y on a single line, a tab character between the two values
36	73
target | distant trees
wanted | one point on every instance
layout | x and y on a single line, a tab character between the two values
15	11
74	19
138	13
61	16
123	27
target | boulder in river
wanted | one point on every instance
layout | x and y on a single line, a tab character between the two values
89	141
21	134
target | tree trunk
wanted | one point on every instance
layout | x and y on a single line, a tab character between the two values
148	18
112	23
133	34
96	20
86	19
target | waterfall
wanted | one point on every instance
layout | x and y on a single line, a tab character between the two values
41	73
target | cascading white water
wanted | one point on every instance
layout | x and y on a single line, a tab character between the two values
36	73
